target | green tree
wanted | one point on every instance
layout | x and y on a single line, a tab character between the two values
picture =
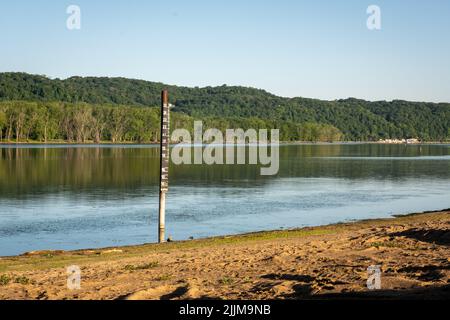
3	122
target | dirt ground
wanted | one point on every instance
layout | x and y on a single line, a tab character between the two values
313	263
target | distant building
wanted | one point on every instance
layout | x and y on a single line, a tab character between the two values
412	141
399	141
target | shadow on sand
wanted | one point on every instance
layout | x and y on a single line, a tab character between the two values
304	290
434	236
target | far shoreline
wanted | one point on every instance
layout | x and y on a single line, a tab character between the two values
281	143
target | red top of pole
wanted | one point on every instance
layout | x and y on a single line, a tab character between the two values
165	97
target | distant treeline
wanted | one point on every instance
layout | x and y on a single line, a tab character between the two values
22	121
357	120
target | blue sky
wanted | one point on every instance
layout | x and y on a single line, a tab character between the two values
317	49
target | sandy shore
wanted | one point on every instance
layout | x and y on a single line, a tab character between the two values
323	262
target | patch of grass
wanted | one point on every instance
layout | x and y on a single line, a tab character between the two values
129	267
163	277
150	265
22	280
226	281
268	235
4	280
392	244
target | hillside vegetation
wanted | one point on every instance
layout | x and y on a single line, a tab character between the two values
79	109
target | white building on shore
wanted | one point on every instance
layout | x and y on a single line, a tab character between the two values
400	141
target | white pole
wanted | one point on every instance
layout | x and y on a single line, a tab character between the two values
164	164
162	216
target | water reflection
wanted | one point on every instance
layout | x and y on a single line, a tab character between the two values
87	196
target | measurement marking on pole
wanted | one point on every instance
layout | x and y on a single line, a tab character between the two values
164	162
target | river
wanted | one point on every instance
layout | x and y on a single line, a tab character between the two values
71	197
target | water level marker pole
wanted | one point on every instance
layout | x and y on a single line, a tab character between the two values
164	164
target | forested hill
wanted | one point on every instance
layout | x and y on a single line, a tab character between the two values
356	119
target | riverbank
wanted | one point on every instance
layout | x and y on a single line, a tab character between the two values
281	143
321	262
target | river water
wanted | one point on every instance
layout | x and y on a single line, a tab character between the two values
70	197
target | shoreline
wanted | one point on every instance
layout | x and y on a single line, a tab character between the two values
281	143
413	251
225	236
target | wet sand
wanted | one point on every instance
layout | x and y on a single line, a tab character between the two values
413	253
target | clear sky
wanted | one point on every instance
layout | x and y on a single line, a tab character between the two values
318	49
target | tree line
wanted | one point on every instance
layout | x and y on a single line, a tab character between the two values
22	121
357	120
